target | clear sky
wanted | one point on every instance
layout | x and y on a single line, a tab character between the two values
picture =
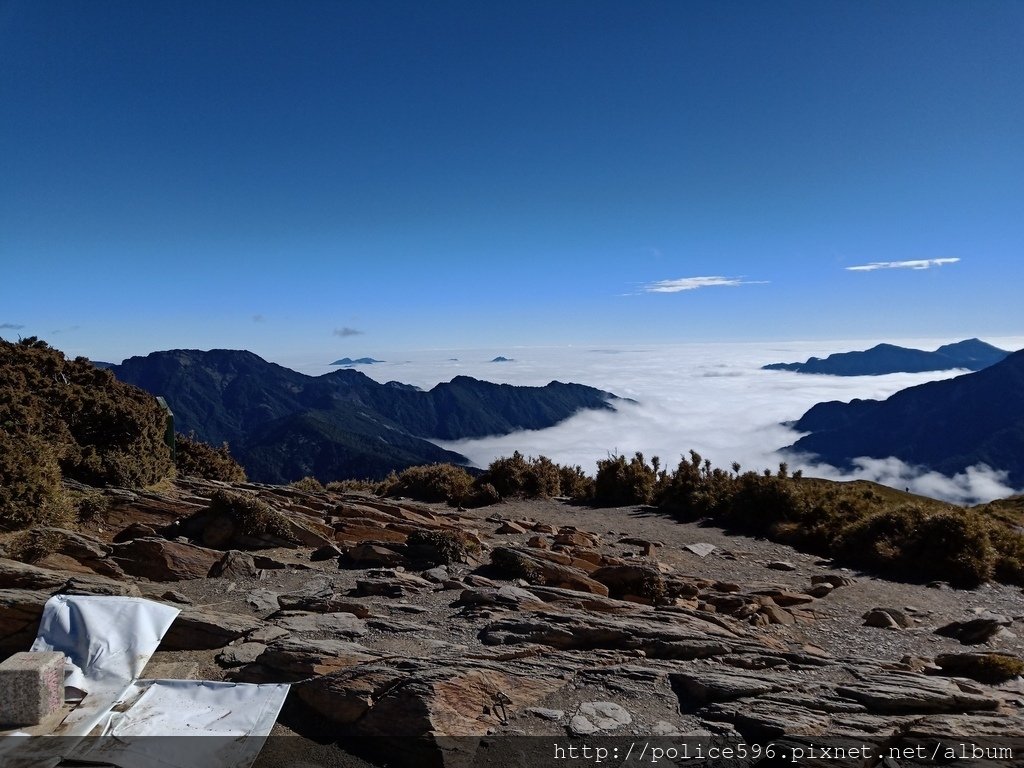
351	178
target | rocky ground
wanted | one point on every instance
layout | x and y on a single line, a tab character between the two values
556	621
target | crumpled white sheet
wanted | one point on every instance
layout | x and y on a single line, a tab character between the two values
108	641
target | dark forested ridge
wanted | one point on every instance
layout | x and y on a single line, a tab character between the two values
970	354
949	425
283	425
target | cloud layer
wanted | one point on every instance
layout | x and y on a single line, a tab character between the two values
712	398
912	264
693	283
346	332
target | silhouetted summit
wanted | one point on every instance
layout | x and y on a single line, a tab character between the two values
971	354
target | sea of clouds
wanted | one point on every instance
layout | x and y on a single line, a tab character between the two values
712	398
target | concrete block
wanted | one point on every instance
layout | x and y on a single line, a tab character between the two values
32	686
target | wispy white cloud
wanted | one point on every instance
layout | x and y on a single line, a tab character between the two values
911	264
346	332
693	283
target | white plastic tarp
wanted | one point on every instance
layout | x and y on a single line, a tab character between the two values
108	642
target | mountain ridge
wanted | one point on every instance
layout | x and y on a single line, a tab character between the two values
341	423
882	359
948	425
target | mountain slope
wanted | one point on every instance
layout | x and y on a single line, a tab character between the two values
944	425
282	424
970	354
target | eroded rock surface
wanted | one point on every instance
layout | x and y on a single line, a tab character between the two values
555	621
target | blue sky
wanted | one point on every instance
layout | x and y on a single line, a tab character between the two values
350	178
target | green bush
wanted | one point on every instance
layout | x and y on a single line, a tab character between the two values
89	504
519	477
307	484
696	489
447	547
515	565
433	483
990	668
508	475
67	418
575	483
543	479
32	546
30	483
760	501
1008	547
484	494
194	458
253	516
620	483
878	540
953	546
377	487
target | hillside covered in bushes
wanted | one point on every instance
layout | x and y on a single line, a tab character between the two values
67	419
859	523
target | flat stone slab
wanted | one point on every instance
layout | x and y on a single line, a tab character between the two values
700	549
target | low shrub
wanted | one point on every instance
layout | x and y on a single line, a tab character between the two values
445	547
194	458
253	516
990	668
484	494
89	505
361	486
516	565
30	483
953	546
307	484
575	483
32	546
519	477
508	475
68	418
433	483
620	483
1008	548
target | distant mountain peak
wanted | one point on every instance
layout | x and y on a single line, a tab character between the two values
884	358
357	361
